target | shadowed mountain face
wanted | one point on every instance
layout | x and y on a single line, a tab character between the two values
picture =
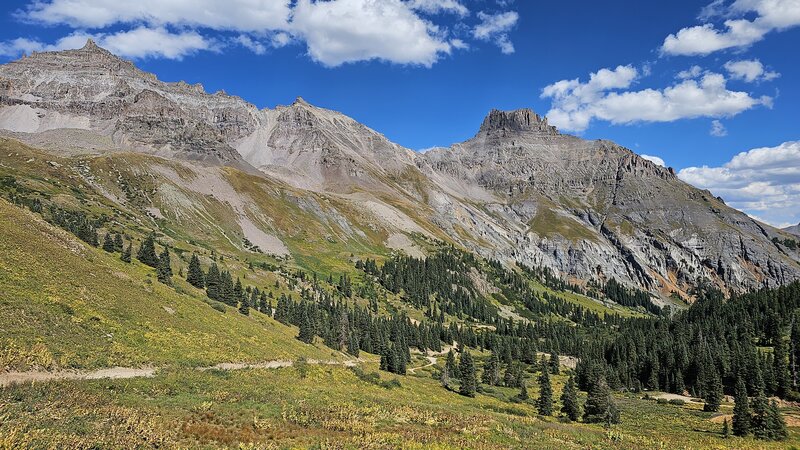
518	191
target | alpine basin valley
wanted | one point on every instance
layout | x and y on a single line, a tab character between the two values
181	269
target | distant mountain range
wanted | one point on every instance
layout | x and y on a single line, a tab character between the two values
518	191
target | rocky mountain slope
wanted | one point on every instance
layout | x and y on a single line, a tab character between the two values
517	191
794	229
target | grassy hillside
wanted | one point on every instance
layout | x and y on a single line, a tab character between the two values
330	407
66	304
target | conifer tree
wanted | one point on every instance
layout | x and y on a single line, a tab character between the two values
510	377
306	327
164	269
544	404
741	409
781	368
451	366
569	400
194	274
712	390
726	430
238	293
118	244
147	252
794	350
400	357
213	290
759	422
469	384
491	370
244	305
126	254
444	377
523	392
775	423
352	345
600	407
554	364
108	243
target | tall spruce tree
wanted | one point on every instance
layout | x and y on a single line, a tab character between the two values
712	390
569	400
118	244
164	269
108	243
523	391
600	407
555	367
794	349
491	370
213	282
466	367
544	404
775	423
759	422
780	363
244	305
194	274
147	252
741	409
451	366
307	328
126	254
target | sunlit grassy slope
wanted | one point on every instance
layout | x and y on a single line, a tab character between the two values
330	407
65	304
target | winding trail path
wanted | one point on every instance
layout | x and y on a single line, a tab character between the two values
8	378
431	355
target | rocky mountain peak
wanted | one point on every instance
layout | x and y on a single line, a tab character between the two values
300	101
90	46
90	57
520	120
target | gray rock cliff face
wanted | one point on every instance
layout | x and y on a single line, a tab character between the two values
518	191
92	89
596	209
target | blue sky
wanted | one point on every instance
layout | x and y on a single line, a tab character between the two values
692	83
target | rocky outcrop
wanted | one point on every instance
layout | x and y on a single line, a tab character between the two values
594	209
116	99
521	120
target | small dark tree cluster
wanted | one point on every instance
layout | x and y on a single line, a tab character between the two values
76	222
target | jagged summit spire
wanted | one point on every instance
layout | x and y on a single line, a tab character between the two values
518	120
90	45
300	101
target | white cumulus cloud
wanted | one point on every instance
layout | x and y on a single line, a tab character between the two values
240	15
334	32
344	31
495	28
764	182
439	6
141	42
692	72
738	31
606	97
750	71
